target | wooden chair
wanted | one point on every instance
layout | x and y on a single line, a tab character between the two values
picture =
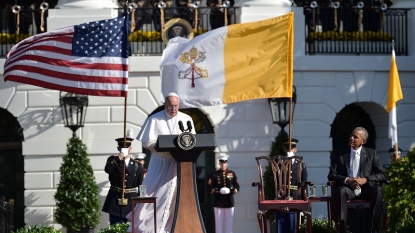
281	169
357	204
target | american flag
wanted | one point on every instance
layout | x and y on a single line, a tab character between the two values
88	59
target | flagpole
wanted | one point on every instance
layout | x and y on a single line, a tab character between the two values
395	157
394	96
123	200
290	122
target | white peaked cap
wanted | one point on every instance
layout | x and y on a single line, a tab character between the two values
141	156
223	156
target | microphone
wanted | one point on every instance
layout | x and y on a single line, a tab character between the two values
181	127
189	126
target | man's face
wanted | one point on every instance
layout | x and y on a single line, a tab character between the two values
223	164
172	105
356	139
293	149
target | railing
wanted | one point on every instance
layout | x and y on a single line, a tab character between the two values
146	39
355	31
6	217
328	30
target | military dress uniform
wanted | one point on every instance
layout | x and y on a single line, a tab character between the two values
224	202
286	222
217	15
133	178
186	12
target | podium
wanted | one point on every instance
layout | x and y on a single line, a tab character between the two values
187	215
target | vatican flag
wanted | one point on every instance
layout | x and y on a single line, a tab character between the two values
394	95
231	64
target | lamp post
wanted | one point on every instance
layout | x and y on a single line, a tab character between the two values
280	109
73	110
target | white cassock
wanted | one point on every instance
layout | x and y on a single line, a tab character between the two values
161	178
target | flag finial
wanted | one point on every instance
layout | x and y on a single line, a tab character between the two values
393	44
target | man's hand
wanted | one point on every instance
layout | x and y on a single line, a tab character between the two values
356	182
360	181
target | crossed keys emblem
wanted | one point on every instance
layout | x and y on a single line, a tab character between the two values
193	72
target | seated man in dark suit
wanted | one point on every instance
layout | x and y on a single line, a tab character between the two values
358	173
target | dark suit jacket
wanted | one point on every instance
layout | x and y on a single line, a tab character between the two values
370	167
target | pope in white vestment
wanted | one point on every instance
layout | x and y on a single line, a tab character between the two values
161	178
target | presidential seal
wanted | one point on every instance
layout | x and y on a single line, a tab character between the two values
186	140
177	27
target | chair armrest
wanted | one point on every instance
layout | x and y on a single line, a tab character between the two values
304	186
305	183
331	183
260	191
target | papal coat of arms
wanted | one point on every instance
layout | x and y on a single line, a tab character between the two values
193	72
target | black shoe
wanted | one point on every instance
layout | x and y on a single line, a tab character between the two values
375	226
343	227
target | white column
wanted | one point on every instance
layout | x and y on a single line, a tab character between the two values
403	4
74	12
87	4
254	10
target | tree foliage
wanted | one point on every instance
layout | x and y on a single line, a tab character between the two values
36	229
116	228
277	148
77	202
400	194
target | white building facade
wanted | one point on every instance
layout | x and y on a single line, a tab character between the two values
333	91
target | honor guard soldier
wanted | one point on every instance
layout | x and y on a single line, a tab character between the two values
286	222
186	10
394	155
140	158
217	12
223	184
121	167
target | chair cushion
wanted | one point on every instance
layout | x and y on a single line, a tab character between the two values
284	202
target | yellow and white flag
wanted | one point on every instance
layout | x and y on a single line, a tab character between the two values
231	64
394	95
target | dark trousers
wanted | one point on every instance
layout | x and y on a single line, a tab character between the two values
116	219
285	222
373	193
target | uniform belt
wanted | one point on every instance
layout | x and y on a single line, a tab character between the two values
131	190
293	187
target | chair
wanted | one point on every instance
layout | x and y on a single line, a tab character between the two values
357	204
281	170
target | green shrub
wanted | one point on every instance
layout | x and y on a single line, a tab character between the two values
400	194
117	228
77	202
36	229
318	226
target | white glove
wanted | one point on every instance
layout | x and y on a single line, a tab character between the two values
125	151
225	190
290	154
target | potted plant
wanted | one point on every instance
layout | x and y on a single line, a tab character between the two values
77	202
399	194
